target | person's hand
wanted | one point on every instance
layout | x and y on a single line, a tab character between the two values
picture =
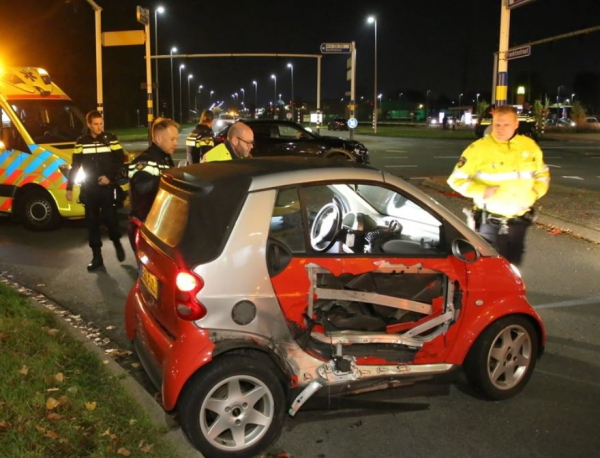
103	180
489	192
69	196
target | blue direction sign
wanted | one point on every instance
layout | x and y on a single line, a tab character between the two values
516	53
336	48
352	123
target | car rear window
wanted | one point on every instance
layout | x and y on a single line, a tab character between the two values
168	217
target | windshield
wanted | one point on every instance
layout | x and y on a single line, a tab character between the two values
50	121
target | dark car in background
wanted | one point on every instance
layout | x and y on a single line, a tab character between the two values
274	138
337	124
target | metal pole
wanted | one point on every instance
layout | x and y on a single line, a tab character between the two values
352	85
181	67
156	60
319	91
149	78
172	86
98	33
502	82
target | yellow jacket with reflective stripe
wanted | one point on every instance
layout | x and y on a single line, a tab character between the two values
516	167
218	153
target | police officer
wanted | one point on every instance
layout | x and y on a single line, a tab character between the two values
144	172
100	156
505	175
239	144
201	139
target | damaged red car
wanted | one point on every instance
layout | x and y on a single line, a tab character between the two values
265	281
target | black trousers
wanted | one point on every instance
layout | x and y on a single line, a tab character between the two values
100	206
510	245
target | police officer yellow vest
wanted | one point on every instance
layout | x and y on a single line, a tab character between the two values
218	153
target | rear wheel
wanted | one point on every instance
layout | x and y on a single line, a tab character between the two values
39	211
502	360
233	408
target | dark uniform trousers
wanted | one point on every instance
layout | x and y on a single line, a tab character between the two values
100	207
509	243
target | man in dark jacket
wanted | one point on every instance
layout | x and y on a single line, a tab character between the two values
201	139
98	161
144	172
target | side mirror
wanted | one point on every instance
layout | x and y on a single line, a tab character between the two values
465	251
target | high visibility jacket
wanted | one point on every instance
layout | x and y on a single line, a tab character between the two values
97	156
144	175
198	142
516	167
219	153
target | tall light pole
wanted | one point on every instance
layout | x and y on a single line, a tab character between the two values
460	98
210	95
243	96
255	97
291	67
157	11
274	78
181	67
477	100
558	96
199	95
190	76
373	20
427	104
172	85
572	97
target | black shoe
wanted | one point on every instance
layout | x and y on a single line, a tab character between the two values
120	251
96	263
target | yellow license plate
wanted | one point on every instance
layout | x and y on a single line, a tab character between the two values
150	282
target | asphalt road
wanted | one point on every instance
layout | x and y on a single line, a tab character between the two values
557	414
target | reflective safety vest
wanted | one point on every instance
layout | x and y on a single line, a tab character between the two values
516	167
218	153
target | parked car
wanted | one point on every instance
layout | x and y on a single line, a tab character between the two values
284	138
592	122
223	121
267	280
337	124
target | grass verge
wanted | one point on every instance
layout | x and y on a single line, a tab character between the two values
57	399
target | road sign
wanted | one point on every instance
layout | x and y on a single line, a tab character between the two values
336	48
142	15
517	53
352	123
515	3
123	38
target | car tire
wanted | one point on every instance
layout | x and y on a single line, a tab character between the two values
39	211
219	397
339	155
503	358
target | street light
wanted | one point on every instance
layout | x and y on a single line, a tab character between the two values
459	98
400	96
477	101
291	67
195	99
274	78
572	97
243	95
172	85
210	95
181	67
159	10
255	97
372	20
427	104
558	96
189	97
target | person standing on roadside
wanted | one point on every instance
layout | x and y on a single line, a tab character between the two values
504	173
144	172
201	139
239	144
99	156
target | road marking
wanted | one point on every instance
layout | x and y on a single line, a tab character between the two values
392	166
568	177
555	166
588	301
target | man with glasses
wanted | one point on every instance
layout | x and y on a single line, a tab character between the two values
239	144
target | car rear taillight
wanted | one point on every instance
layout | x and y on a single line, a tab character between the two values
187	286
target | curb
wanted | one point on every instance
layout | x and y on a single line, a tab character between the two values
586	233
155	413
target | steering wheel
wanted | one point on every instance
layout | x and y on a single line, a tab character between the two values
326	227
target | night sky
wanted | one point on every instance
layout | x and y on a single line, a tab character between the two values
443	46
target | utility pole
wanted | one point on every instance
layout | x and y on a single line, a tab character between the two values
98	22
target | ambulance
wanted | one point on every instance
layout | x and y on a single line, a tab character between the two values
40	125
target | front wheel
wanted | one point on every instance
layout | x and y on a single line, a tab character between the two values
340	155
39	211
233	408
502	360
